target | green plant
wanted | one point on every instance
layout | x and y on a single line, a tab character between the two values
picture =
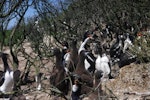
141	47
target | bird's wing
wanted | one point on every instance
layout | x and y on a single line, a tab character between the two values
16	75
1	77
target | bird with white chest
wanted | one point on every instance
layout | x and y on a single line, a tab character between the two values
89	62
8	77
127	43
102	63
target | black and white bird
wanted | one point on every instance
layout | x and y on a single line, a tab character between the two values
102	64
89	61
82	46
38	81
116	48
81	70
9	77
65	55
127	43
58	75
73	55
76	88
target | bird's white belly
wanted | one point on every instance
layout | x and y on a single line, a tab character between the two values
98	64
86	64
74	88
67	56
7	86
105	68
102	66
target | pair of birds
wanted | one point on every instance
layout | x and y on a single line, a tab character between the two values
87	63
8	77
99	63
119	51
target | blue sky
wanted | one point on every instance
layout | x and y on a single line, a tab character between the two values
30	12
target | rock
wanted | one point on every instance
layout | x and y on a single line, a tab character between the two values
133	83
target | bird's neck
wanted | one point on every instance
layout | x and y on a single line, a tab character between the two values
59	60
120	42
99	56
128	38
6	66
59	57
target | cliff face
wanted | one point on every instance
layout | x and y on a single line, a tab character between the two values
132	83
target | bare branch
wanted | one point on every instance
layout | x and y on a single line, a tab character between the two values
2	15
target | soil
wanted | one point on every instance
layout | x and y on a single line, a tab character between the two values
131	82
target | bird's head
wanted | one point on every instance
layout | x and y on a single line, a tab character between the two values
55	51
3	55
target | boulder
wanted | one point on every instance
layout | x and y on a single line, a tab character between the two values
132	83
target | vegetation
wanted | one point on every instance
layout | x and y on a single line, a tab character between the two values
72	17
6	42
69	18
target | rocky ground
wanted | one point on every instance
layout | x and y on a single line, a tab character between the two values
132	82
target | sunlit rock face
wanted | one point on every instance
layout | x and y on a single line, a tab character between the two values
132	83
